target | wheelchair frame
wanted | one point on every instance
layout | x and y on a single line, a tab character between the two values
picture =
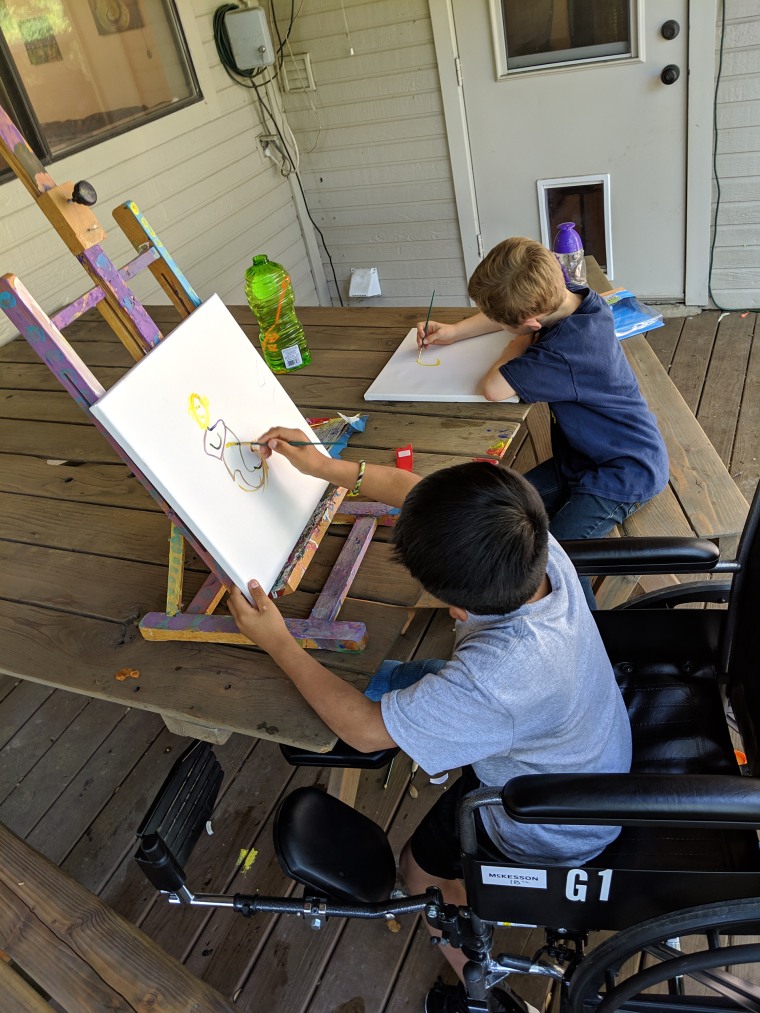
645	905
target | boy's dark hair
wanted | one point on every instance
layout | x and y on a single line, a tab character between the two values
475	536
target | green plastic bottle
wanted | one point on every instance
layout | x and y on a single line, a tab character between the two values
270	296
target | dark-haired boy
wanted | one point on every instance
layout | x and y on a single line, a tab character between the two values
529	688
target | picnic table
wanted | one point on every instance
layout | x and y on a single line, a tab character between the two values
83	549
60	941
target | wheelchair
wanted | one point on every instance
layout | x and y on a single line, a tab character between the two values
677	894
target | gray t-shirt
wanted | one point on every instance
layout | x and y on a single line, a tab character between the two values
531	692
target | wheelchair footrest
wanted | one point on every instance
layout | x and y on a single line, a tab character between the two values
178	816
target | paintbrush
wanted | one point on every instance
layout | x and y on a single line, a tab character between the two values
291	443
427	321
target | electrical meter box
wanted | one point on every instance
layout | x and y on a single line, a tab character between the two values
249	38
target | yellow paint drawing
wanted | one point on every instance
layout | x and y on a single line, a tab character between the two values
419	357
246	858
244	464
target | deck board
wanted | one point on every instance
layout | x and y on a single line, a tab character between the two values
76	775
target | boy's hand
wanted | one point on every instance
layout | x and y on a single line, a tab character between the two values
437	334
260	622
308	460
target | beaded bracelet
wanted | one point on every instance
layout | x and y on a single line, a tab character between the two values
355	490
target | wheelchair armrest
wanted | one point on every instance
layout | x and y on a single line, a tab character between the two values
682	800
642	555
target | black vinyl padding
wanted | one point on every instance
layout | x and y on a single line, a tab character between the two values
635	799
341	755
642	555
335	850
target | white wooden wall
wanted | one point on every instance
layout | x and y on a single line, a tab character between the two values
374	165
736	265
374	157
199	177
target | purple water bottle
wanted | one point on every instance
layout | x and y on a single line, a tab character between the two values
568	248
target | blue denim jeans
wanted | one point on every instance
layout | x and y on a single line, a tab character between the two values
399	675
576	514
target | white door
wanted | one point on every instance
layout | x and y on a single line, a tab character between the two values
568	116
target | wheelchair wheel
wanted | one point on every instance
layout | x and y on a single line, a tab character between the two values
698	959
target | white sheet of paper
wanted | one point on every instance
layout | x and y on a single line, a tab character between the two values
177	413
458	377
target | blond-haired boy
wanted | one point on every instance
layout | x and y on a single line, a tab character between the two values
608	454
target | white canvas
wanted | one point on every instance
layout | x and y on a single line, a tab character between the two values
177	412
458	376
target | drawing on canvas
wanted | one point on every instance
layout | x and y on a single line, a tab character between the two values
245	466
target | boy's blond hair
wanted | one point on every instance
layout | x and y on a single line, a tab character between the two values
517	280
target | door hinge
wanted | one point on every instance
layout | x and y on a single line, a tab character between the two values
458	66
479	240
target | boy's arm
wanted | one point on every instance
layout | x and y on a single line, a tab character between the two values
447	334
342	707
387	485
495	387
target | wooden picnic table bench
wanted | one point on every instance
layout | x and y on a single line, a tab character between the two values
701	498
61	943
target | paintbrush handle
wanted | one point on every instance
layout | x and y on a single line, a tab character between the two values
291	443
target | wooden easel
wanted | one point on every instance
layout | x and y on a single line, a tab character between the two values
67	207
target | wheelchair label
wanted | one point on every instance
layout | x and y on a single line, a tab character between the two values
578	885
497	875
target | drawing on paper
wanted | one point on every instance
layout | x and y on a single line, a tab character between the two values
247	469
421	363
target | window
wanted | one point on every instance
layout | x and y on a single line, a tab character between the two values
541	33
73	72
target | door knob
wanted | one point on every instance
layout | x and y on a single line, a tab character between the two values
670	29
670	74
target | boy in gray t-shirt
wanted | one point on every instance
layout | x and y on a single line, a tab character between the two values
529	688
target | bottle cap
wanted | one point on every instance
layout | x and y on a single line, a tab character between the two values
567	239
260	258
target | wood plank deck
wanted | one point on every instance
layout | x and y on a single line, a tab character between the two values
77	774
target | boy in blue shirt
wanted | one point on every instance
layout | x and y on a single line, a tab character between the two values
608	454
526	690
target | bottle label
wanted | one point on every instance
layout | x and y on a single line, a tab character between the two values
291	356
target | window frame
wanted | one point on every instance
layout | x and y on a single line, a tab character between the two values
21	109
499	41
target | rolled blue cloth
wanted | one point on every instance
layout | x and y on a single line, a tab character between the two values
400	674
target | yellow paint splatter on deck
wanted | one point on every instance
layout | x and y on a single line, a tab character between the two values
246	858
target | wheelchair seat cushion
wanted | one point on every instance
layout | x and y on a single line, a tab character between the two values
332	849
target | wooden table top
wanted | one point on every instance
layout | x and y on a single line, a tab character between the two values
83	547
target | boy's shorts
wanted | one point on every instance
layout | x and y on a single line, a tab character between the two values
435	842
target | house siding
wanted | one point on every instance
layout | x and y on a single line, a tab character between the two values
374	156
736	259
199	177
